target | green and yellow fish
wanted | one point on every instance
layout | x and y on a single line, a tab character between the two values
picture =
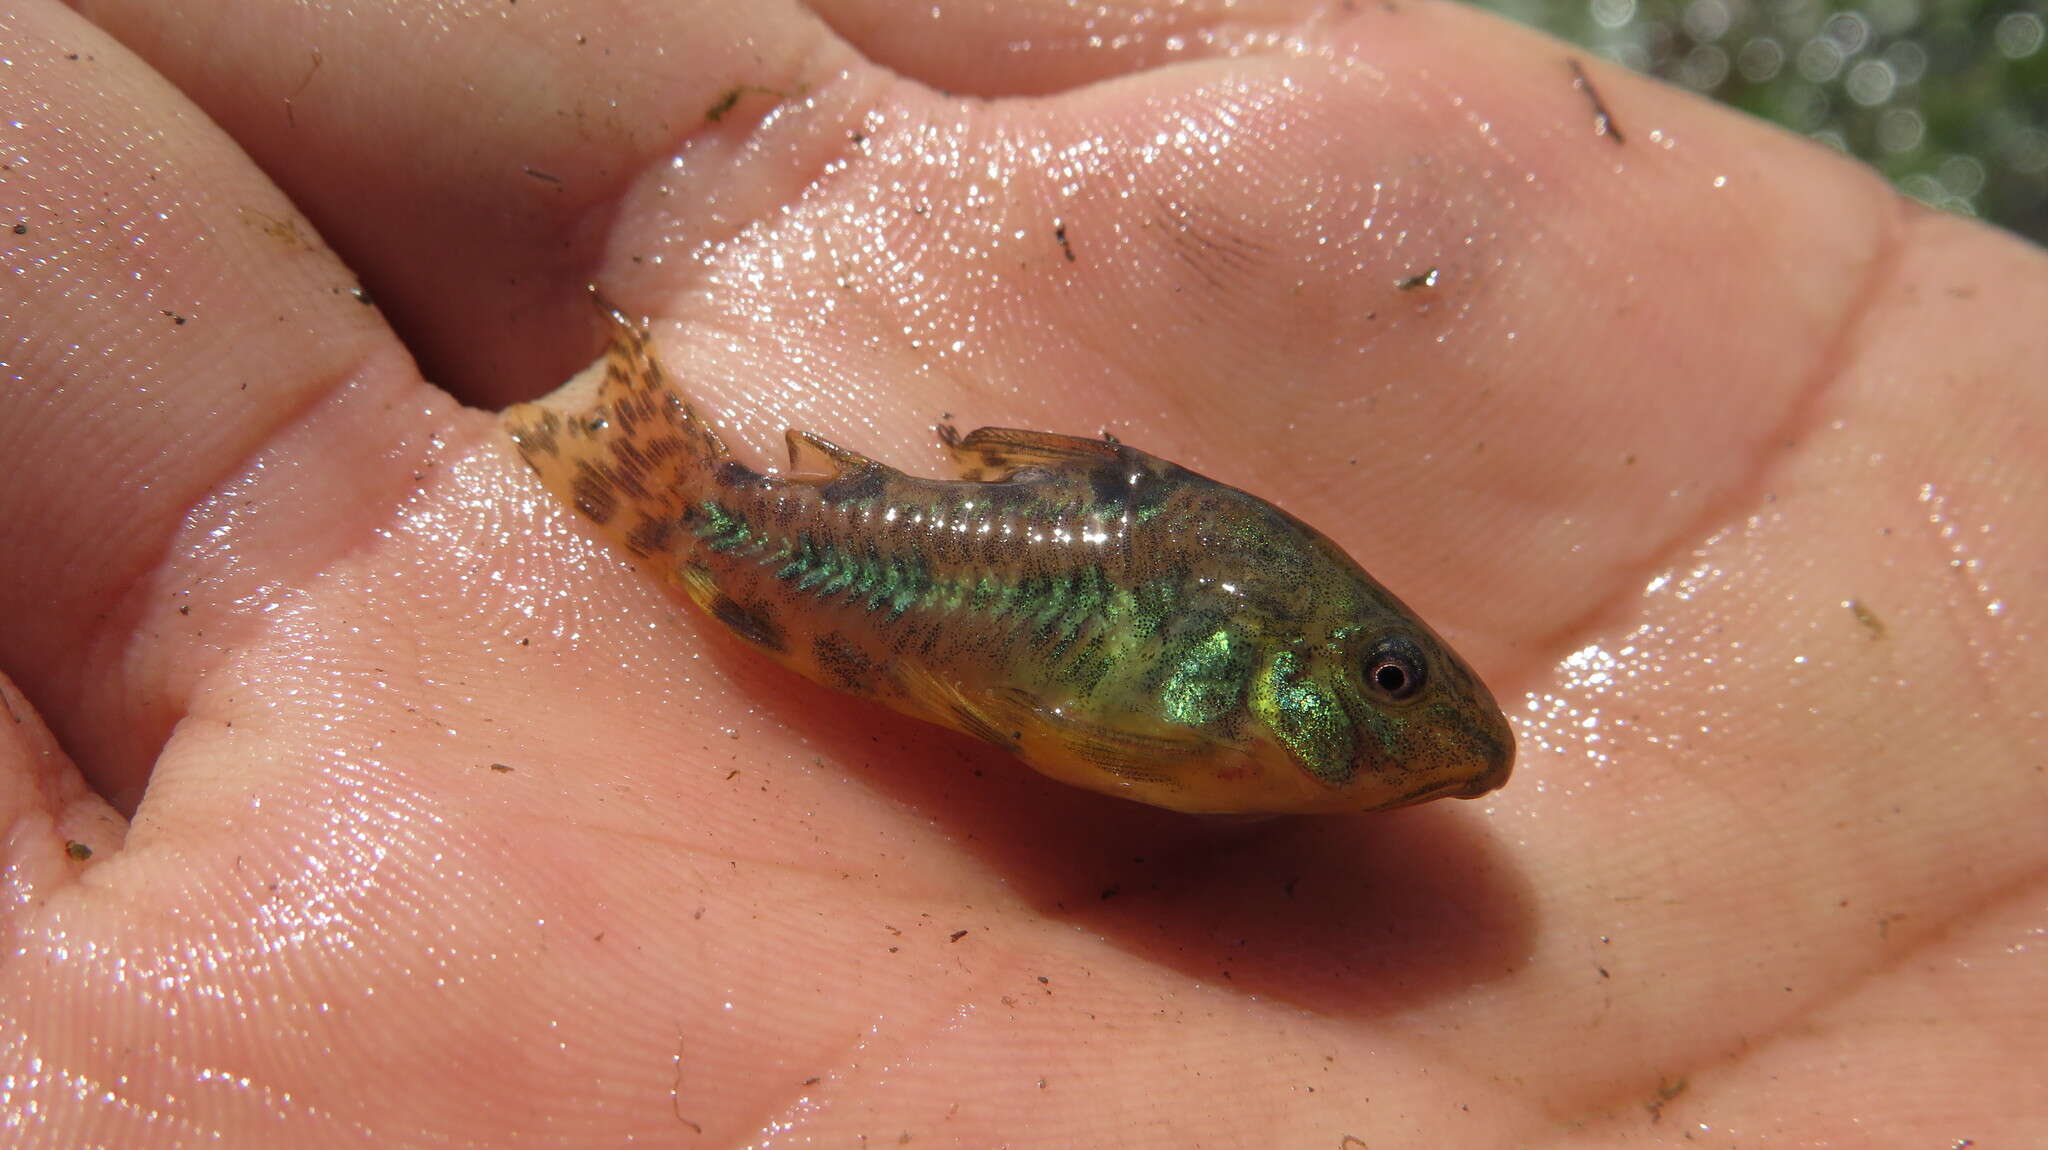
1114	620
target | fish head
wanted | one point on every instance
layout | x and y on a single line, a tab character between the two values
1375	713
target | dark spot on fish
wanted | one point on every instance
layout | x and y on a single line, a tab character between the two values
854	484
1114	484
540	436
752	624
649	536
595	497
732	473
844	663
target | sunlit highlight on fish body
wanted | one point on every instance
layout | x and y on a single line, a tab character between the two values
1114	620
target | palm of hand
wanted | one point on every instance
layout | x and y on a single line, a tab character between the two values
458	829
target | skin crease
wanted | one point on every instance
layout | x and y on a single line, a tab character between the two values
1715	459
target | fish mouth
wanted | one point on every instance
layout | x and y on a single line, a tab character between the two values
1493	778
1458	787
1486	782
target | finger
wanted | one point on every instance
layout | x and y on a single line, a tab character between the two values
174	321
53	824
480	252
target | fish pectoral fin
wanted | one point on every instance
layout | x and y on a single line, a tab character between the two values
814	455
948	705
993	454
1069	749
1132	756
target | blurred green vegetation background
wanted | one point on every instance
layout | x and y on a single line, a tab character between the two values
1948	98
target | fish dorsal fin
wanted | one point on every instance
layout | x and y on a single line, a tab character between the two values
992	454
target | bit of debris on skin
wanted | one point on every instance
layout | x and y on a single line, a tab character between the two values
724	104
731	97
1866	617
1603	120
501	768
1666	1091
1059	232
77	851
675	1092
291	119
1419	280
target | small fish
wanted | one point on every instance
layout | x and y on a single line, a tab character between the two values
1116	621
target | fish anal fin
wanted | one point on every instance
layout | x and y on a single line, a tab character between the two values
992	454
697	583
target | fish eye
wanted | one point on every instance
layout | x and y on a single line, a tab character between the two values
1395	669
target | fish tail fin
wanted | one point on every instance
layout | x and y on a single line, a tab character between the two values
637	459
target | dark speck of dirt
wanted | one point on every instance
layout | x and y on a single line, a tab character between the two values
1666	1091
724	104
1603	120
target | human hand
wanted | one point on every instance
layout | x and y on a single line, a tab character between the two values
1717	460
